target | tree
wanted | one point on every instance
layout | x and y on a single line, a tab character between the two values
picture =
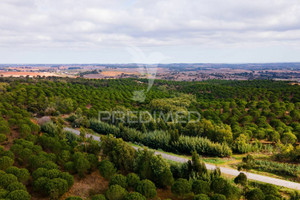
288	138
269	189
134	196
56	187
201	197
19	195
16	186
5	162
107	169
83	137
218	197
7	179
181	187
115	192
132	180
271	197
200	187
118	152
25	130
241	179
146	188
3	138
74	198
255	194
82	165
118	179
98	197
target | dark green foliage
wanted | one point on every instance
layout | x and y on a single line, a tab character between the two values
255	194
16	186
98	197
74	198
5	162
7	179
200	187
107	169
153	167
241	179
146	188
21	173
134	196
201	197
271	197
218	197
115	192
3	193
132	180
118	179
181	187
56	187
269	189
19	195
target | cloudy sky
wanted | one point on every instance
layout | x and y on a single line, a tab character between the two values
166	31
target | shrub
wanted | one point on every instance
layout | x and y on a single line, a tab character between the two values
271	197
49	165
56	187
3	138
201	197
22	174
255	194
118	179
107	169
218	197
134	196
5	162
40	172
181	187
39	185
68	177
7	179
3	193
269	189
241	179
53	173
115	192
70	167
74	198
19	195
16	186
98	197
200	187
146	188
132	180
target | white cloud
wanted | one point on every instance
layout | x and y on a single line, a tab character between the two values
101	23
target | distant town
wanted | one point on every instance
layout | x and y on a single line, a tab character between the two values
177	71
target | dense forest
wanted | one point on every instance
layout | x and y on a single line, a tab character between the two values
237	117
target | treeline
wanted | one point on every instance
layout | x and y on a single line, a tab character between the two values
163	140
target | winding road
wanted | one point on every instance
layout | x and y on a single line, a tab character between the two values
224	170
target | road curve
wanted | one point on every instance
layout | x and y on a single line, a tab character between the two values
224	170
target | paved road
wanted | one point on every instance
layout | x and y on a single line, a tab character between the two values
233	172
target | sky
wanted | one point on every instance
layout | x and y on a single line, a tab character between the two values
149	31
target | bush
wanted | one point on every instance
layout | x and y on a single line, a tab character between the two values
146	188
107	169
19	195
16	186
82	165
181	187
70	167
49	165
134	196
22	174
40	172
74	198
53	173
3	193
7	179
201	197
218	197
56	187
39	185
132	180
3	138
271	197
98	197
115	192
6	162
68	177
241	179
255	194
118	179
269	189
200	187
